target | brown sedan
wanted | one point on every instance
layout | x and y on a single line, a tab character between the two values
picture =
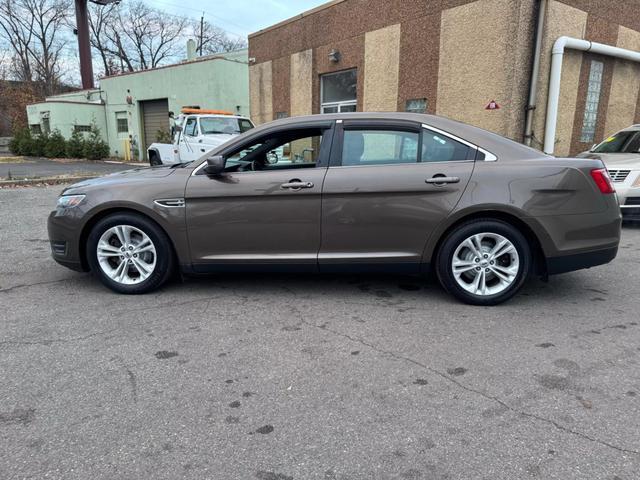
366	192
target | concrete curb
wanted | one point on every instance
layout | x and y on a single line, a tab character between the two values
31	182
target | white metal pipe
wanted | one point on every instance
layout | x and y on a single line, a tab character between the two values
557	55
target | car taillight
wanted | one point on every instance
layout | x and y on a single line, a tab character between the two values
603	180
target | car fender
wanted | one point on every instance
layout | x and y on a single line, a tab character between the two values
171	220
489	210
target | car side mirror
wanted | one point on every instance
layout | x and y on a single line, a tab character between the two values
178	128
215	165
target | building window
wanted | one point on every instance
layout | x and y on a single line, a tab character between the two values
338	92
81	128
593	100
280	115
416	105
122	123
35	128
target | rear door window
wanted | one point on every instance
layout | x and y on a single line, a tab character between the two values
437	147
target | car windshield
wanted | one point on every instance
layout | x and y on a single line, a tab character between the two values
621	142
218	125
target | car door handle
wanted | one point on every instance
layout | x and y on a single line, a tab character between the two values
441	180
296	185
202	150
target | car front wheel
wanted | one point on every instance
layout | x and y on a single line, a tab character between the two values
484	262
129	253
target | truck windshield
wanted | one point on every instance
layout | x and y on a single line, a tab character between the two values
218	125
620	142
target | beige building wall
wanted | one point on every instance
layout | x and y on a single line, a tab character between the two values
260	92
302	83
485	56
381	67
625	85
560	20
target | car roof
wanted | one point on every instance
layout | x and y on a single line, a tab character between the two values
494	143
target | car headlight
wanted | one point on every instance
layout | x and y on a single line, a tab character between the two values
68	201
637	181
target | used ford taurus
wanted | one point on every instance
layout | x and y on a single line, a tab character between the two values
362	192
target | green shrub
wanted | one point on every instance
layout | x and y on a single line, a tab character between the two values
95	148
163	136
75	145
20	143
56	145
36	147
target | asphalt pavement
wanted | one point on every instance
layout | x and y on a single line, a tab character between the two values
274	377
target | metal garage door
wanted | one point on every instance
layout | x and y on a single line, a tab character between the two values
155	116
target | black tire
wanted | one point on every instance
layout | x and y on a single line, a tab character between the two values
154	159
164	258
464	231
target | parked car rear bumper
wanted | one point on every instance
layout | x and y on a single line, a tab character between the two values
579	261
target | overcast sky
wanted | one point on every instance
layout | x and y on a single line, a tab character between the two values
240	17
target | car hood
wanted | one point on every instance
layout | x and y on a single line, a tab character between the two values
630	160
134	175
216	139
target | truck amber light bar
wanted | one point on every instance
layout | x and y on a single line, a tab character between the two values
191	111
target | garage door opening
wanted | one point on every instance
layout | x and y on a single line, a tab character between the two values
155	121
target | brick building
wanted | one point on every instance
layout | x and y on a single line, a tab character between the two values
452	58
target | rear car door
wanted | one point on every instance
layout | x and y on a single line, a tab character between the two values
266	208
389	184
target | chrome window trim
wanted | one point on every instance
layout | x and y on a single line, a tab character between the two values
488	156
405	164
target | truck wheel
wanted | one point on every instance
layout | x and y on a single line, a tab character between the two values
154	159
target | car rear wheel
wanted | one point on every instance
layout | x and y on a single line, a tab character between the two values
484	262
129	253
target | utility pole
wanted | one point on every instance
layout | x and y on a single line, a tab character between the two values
201	31
84	47
84	44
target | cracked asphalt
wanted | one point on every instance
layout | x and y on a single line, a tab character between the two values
311	377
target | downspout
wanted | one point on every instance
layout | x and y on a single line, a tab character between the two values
535	71
557	55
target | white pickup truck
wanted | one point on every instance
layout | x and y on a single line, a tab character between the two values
195	134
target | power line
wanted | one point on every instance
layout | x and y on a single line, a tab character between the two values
213	15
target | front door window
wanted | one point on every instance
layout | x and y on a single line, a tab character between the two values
339	92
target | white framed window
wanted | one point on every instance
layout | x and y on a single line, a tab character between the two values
593	100
338	92
122	124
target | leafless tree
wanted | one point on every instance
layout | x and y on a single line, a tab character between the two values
214	38
16	30
135	35
35	32
100	21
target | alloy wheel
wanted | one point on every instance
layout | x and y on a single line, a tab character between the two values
126	254
485	264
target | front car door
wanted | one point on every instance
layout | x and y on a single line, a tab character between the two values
266	207
389	185
188	143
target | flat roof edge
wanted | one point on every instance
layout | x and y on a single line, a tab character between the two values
296	17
